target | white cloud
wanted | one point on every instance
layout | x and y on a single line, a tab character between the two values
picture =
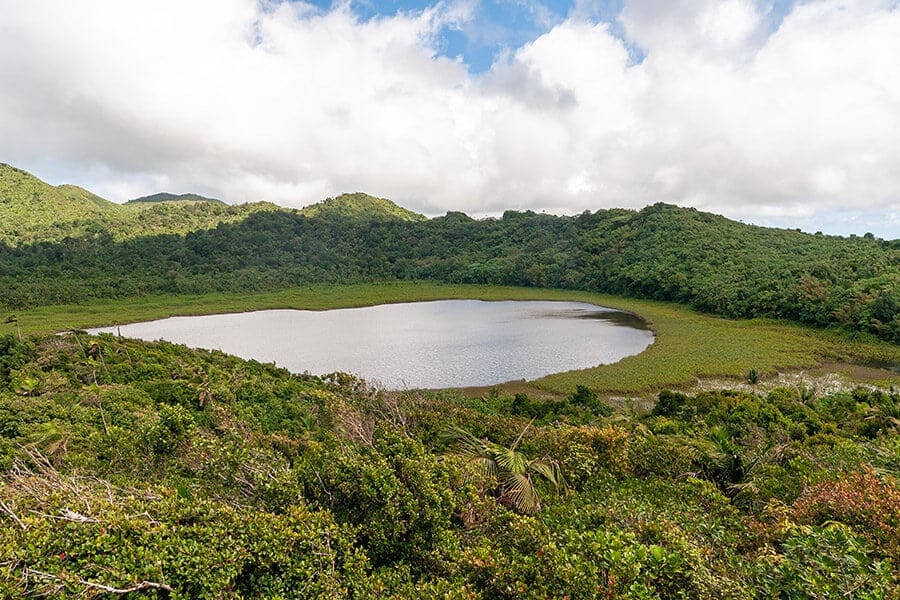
251	100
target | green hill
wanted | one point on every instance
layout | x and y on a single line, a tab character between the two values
167	197
32	211
360	206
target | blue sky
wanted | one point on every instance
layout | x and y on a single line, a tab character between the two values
774	112
497	25
505	25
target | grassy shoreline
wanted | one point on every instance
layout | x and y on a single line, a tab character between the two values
688	344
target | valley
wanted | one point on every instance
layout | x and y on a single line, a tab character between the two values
751	450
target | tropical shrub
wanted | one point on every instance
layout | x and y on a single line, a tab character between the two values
864	501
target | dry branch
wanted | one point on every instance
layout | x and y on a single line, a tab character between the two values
143	585
9	511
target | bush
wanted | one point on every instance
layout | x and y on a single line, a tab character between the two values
667	456
587	398
199	548
868	503
396	495
173	429
669	403
824	562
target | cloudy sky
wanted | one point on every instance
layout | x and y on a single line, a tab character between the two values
775	112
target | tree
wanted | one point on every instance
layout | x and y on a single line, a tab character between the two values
14	319
514	471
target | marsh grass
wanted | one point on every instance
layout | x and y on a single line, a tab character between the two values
688	344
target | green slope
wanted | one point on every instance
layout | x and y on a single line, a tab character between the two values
360	206
32	210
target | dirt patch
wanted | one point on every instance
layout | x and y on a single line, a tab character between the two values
824	379
873	375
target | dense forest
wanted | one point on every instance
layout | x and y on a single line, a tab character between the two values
133	469
662	252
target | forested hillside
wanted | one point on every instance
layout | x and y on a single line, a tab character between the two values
170	473
32	211
359	206
661	252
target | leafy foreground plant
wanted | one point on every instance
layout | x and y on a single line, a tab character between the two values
513	470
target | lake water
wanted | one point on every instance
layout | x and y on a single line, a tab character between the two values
448	343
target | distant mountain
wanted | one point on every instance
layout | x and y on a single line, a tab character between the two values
167	197
360	206
32	211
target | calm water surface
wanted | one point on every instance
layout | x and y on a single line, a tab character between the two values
449	343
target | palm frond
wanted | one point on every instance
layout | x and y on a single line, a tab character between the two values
512	468
510	460
485	466
464	443
518	490
549	470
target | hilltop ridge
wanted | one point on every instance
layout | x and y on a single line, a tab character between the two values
359	205
168	197
32	211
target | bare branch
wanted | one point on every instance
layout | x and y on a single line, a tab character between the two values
71	515
143	585
9	511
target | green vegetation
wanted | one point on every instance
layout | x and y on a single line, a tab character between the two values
752	376
175	473
661	252
32	211
167	197
360	207
512	471
150	470
688	344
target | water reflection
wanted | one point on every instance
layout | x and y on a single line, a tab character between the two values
617	317
449	343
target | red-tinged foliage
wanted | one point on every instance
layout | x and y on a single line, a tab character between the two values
866	501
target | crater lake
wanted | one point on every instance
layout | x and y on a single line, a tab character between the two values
439	344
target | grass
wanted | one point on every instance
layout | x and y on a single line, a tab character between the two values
688	344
